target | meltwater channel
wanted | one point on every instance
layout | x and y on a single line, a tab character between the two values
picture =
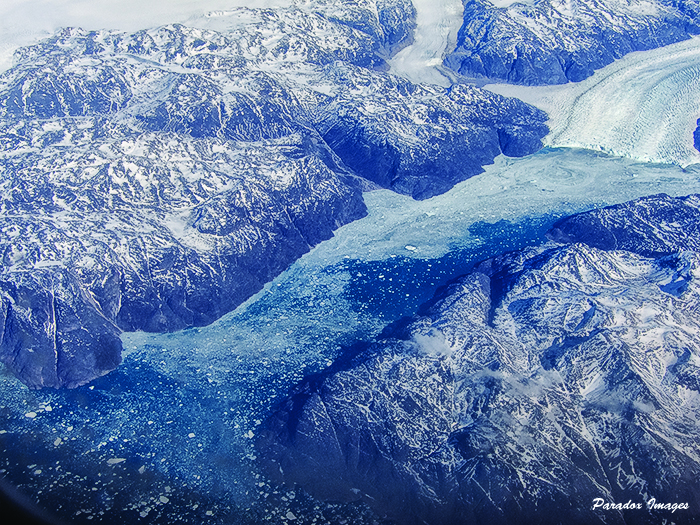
169	436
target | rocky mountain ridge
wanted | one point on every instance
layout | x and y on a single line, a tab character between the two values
560	41
542	380
155	180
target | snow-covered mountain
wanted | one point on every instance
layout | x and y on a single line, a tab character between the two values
420	140
153	177
557	41
542	380
155	180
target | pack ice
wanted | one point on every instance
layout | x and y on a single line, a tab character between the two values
541	380
155	180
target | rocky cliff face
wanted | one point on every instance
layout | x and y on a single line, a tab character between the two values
154	232
651	226
155	180
421	140
544	379
555	41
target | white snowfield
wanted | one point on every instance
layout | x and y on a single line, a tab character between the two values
437	23
24	23
644	106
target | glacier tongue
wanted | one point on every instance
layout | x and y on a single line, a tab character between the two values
437	23
643	106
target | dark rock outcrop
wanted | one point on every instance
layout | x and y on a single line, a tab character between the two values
421	140
544	379
651	226
555	42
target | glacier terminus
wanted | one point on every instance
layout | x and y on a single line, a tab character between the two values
361	261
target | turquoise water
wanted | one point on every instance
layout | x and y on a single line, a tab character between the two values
169	436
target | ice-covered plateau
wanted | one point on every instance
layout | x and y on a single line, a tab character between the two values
557	41
543	379
155	180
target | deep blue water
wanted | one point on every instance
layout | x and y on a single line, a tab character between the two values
395	287
146	415
170	434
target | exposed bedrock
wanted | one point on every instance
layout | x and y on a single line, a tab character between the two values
544	379
555	42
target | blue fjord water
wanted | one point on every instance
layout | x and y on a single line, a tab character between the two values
169	436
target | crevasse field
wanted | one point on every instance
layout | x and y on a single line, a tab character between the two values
643	106
168	437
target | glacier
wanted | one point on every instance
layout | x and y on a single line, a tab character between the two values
220	382
652	119
174	433
437	24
